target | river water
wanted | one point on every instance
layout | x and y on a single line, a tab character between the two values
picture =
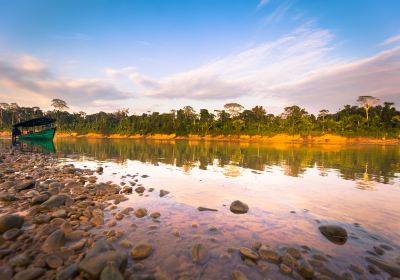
291	190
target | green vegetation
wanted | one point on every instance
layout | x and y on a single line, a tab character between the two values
368	119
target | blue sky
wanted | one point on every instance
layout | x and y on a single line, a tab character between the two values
159	55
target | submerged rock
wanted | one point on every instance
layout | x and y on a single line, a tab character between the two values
238	275
111	272
94	265
163	193
199	253
206	209
248	253
392	269
335	234
141	251
239	207
54	242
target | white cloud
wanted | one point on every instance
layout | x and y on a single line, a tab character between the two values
278	13
391	40
30	78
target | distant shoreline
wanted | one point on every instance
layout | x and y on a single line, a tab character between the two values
278	138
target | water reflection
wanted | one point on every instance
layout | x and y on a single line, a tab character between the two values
364	163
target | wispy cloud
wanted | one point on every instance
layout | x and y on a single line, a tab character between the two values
391	40
296	68
262	3
278	13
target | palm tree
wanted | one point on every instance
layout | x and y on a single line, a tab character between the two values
322	114
367	102
259	114
233	109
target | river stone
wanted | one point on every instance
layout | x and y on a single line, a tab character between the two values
53	242
141	251
199	253
11	234
155	215
335	234
20	260
141	212
55	201
25	185
6	273
239	207
10	221
269	254
295	253
62	213
163	193
29	274
99	247
306	270
68	273
140	189
8	197
54	261
111	272
392	269
97	221
238	275
94	265
201	209
39	198
248	253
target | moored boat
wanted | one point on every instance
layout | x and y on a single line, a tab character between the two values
35	129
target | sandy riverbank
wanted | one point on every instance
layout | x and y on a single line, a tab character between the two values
279	138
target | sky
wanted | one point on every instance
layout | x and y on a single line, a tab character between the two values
157	55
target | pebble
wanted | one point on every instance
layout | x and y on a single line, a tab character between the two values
54	261
285	269
201	209
269	254
10	221
29	274
155	215
11	234
334	233
163	193
238	275
54	242
111	272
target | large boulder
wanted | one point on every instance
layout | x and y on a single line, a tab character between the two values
94	265
10	221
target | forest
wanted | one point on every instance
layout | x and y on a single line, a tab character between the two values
369	118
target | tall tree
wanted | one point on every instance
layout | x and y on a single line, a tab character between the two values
322	114
59	104
3	107
367	102
233	109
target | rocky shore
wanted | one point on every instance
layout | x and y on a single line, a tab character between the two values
58	222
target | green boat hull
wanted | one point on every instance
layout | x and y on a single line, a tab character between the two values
47	134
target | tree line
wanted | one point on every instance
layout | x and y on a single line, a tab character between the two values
368	118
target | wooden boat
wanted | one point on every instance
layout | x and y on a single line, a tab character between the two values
35	129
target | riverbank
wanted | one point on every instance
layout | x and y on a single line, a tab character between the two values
279	138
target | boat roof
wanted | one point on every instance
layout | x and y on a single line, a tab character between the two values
35	122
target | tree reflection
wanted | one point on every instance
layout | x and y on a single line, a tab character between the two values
365	164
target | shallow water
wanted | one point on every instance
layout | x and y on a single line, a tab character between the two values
291	190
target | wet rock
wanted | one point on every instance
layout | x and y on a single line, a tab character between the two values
201	209
238	275
99	247
56	201
285	269
392	269
141	251
140	189
111	272
155	215
94	265
97	221
269	254
199	253
62	213
99	169
141	212
163	193
356	268
334	233
26	185
29	274
248	253
379	250
176	232
239	207
39	199
54	242
125	243
295	253
11	234
289	260
306	270
54	261
10	221
41	219
68	273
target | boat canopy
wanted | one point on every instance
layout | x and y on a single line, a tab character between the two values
35	122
